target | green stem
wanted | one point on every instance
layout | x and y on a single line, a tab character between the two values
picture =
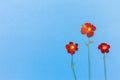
104	58
89	62
72	65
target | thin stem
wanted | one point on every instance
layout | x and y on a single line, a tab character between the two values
89	62
72	65
104	58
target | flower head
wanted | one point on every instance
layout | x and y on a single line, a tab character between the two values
88	28
104	47
71	47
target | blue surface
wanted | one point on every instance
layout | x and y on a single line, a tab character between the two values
33	35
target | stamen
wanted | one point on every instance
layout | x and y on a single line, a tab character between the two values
89	29
104	47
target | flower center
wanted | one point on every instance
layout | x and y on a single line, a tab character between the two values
89	29
72	47
104	47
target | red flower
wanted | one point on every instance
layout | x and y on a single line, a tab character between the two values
71	47
104	47
88	29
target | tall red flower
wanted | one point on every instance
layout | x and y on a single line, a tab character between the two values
104	47
88	29
72	47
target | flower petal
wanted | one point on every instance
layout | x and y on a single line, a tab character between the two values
76	44
88	24
93	27
99	47
90	34
103	44
70	42
108	46
103	51
84	29
107	51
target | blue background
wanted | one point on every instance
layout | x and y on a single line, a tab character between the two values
33	35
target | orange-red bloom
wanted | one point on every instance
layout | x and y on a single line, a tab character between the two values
88	28
104	47
71	47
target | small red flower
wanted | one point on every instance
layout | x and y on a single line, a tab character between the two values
71	47
88	28
104	47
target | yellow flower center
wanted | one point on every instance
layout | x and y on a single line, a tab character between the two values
72	46
89	29
104	47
